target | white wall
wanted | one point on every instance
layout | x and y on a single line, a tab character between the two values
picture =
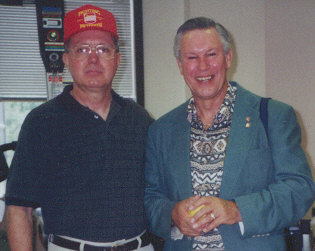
273	55
164	88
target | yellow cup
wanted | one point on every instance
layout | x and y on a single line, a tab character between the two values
193	212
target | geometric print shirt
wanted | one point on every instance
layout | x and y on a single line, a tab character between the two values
207	153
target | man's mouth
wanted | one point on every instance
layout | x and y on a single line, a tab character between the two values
205	78
92	71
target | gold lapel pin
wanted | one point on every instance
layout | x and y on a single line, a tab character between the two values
248	124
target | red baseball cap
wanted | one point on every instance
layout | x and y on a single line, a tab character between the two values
88	17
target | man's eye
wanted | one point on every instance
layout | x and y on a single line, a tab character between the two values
191	57
211	54
82	50
103	50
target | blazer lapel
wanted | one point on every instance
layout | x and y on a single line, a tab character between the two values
182	173
243	127
180	160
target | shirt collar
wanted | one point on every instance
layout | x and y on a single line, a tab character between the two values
116	103
224	113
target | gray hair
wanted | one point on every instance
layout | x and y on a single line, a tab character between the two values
201	23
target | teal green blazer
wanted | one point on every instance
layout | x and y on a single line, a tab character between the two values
270	180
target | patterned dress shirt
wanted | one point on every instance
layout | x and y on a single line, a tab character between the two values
207	153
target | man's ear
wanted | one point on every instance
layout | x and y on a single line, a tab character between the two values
65	59
180	66
118	59
228	59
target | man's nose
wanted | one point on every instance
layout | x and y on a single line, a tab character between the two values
203	63
93	57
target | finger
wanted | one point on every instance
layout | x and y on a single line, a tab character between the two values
207	200
193	202
197	206
203	221
190	229
194	231
212	225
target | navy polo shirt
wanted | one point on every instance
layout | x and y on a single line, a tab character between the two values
85	173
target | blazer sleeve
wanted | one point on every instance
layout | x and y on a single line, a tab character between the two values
288	197
158	207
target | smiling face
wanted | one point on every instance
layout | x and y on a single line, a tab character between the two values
203	64
92	72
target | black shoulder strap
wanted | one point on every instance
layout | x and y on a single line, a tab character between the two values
4	169
264	113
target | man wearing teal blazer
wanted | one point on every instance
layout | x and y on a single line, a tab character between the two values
213	151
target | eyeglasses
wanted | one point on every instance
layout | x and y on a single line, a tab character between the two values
84	51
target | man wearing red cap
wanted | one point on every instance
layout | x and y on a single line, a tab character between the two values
80	156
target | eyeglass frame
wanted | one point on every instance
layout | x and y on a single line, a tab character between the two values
115	41
84	55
